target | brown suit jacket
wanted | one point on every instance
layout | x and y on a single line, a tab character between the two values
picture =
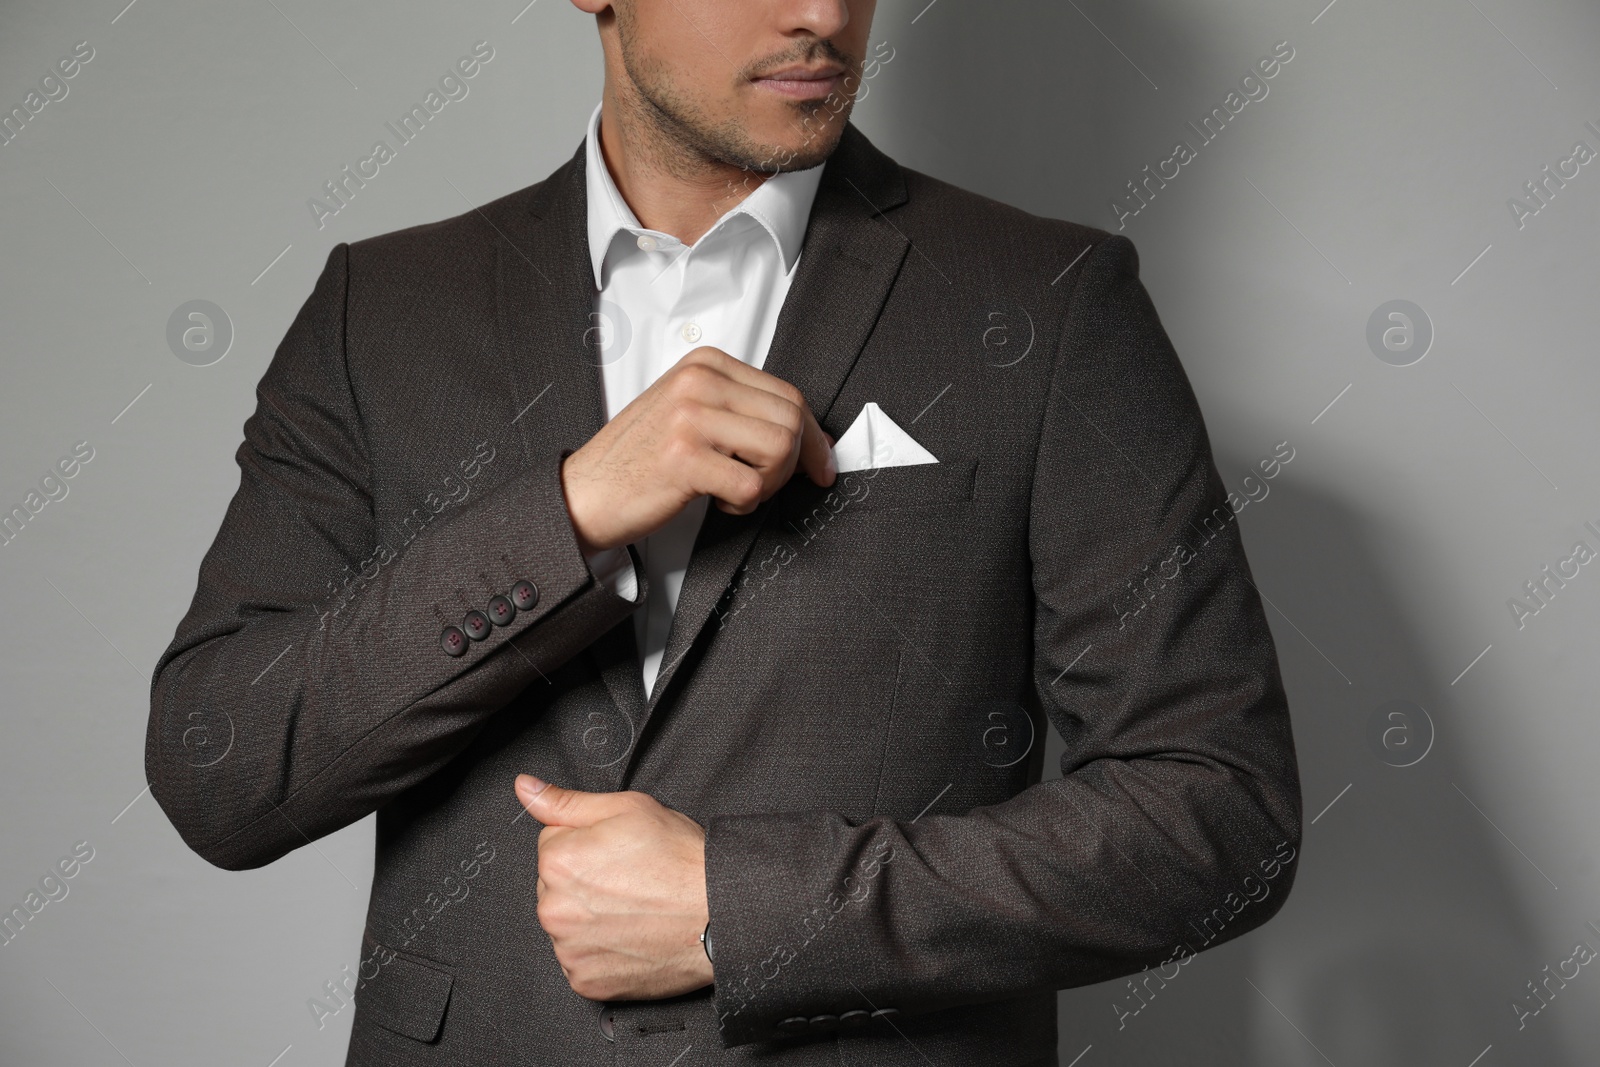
857	682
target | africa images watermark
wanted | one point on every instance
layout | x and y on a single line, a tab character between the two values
1252	88
1543	189
741	593
51	889
353	579
855	90
53	487
342	594
761	974
1541	994
1147	586
1255	890
342	188
53	88
1541	590
339	992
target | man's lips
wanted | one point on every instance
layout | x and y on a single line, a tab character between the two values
802	84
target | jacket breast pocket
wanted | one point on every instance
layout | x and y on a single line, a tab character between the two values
402	992
951	481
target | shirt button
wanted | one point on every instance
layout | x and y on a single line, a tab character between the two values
691	332
646	243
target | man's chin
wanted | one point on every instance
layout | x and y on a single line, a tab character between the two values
800	147
815	154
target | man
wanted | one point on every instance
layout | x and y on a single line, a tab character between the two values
792	741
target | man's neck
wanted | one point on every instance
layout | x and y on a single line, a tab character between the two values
670	187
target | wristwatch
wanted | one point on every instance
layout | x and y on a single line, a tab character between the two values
705	942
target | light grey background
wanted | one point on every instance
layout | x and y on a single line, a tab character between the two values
1378	168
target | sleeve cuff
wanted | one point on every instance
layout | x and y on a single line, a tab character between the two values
613	568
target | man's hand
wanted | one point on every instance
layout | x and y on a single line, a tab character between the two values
711	425
622	891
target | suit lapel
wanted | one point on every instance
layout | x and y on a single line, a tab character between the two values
848	264
849	261
546	295
545	299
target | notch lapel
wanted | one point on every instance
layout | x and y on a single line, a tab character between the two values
848	264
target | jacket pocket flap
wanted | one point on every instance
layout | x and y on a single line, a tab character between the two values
402	993
953	480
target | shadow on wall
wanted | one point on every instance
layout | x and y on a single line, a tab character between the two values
1404	942
1027	103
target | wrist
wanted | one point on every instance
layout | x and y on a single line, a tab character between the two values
572	492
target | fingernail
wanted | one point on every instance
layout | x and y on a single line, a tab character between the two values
530	785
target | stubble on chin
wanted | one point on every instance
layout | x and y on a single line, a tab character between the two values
682	134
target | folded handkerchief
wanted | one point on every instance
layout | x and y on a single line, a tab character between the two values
874	440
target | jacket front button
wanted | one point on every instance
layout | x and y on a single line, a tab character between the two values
501	610
524	595
476	623
453	641
608	1023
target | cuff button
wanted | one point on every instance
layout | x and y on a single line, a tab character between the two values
852	1020
524	595
799	1024
476	623
886	1014
501	610
822	1023
453	641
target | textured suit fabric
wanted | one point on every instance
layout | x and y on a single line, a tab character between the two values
858	680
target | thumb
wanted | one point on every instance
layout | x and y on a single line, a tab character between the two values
555	806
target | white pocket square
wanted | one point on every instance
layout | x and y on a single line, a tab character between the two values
875	440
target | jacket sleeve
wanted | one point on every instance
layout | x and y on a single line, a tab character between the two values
1180	799
280	713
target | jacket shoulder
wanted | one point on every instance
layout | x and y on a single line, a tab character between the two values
998	237
451	242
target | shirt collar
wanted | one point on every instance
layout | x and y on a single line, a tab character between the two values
781	204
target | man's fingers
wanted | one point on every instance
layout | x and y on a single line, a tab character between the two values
735	486
816	452
742	373
729	384
744	390
769	447
816	448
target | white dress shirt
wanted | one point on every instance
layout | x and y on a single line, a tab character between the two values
658	299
